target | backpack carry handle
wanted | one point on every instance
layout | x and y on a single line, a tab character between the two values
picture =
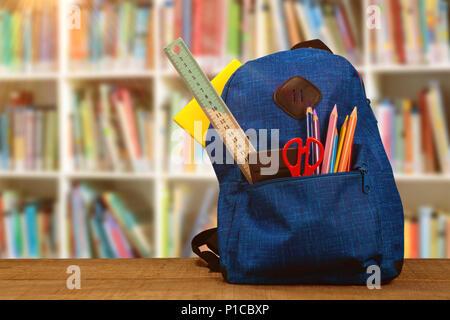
315	44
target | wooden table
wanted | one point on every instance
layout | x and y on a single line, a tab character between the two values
190	279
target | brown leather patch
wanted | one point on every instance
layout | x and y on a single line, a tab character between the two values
283	171
294	96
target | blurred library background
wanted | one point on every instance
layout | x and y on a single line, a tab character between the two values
90	159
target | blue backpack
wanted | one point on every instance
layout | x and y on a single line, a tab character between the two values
315	229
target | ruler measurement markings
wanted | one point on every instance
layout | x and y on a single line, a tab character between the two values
212	104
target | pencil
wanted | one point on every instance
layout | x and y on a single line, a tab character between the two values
341	143
309	132
329	140
346	149
333	154
316	132
349	160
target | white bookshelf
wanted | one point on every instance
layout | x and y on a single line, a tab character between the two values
150	184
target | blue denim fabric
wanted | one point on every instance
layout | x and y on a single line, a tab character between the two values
317	229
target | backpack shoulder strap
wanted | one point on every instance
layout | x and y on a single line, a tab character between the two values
208	237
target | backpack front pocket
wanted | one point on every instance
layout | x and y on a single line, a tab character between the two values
300	228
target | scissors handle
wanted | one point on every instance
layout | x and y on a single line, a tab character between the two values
309	170
295	169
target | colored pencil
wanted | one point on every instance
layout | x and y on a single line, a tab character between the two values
309	132
349	160
316	131
341	143
330	140
346	149
333	154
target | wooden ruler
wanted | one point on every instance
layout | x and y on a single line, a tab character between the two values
212	104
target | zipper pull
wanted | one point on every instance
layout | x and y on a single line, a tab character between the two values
363	169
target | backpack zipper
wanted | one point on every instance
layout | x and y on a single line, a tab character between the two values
301	178
363	168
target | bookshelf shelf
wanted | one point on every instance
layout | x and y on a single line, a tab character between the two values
29	175
190	176
110	176
89	75
422	178
29	76
410	68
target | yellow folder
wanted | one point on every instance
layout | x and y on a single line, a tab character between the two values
192	112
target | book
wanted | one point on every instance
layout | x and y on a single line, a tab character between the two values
133	231
407	237
447	236
27	134
101	225
111	129
117	238
439	126
28	37
233	33
185	154
121	37
141	37
291	22
31	229
417	143
101	241
434	236
414	251
26	226
187	117
399	142
427	135
2	229
411	32
415	132
187	23
425	216
441	234
80	229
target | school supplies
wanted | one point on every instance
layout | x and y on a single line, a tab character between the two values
295	169
246	246
192	113
261	170
309	130
333	153
346	149
341	143
330	140
316	135
212	104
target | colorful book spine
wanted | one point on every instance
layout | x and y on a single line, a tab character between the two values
447	236
425	215
128	223
2	229
141	36
99	232
4	141
32	230
117	238
437	113
416	137
441	234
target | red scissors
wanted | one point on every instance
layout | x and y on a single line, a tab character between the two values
295	169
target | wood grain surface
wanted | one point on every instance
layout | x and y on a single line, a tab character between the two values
190	279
